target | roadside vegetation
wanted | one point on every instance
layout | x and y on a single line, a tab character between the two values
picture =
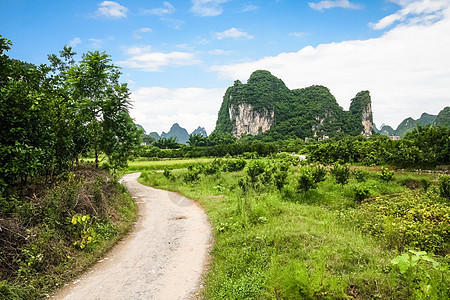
286	229
57	215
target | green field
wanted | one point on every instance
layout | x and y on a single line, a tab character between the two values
371	237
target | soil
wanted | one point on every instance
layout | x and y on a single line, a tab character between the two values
164	257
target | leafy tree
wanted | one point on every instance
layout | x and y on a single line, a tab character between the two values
197	140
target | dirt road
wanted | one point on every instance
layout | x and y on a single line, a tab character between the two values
162	258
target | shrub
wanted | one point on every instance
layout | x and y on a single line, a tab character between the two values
193	174
385	174
361	193
254	169
234	165
341	173
444	186
319	173
360	175
168	174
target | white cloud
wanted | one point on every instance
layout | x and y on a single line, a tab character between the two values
327	4
74	42
233	33
414	12
167	9
138	50
137	35
157	108
111	9
207	8
407	70
154	61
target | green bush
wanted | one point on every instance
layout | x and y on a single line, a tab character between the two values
341	173
360	175
444	186
361	193
310	177
385	174
255	168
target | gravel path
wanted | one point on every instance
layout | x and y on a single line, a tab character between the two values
162	258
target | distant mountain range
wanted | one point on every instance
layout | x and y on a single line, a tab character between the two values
178	132
408	124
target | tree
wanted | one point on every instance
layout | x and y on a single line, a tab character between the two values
101	105
197	140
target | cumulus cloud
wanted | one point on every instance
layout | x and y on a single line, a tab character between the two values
157	108
407	69
111	9
74	42
207	8
414	12
153	61
166	9
233	33
327	4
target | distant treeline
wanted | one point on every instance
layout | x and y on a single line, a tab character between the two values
424	146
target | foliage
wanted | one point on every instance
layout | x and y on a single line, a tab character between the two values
52	114
55	232
310	177
87	233
386	174
361	193
444	186
425	277
341	173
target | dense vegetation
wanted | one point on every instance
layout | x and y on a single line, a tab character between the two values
291	230
57	215
307	112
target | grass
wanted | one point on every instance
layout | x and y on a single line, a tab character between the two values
286	244
148	165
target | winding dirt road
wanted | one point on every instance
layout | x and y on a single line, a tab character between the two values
162	258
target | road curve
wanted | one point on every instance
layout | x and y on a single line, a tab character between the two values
162	258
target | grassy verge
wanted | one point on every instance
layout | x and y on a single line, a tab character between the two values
282	241
49	235
146	165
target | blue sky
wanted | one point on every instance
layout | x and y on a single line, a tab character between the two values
178	57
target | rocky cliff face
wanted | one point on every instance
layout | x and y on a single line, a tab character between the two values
248	121
367	120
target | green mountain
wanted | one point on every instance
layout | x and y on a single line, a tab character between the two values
443	118
177	132
264	105
409	124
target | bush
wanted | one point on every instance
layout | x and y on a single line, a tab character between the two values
341	173
385	174
234	165
360	175
254	169
361	193
192	174
444	186
310	177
